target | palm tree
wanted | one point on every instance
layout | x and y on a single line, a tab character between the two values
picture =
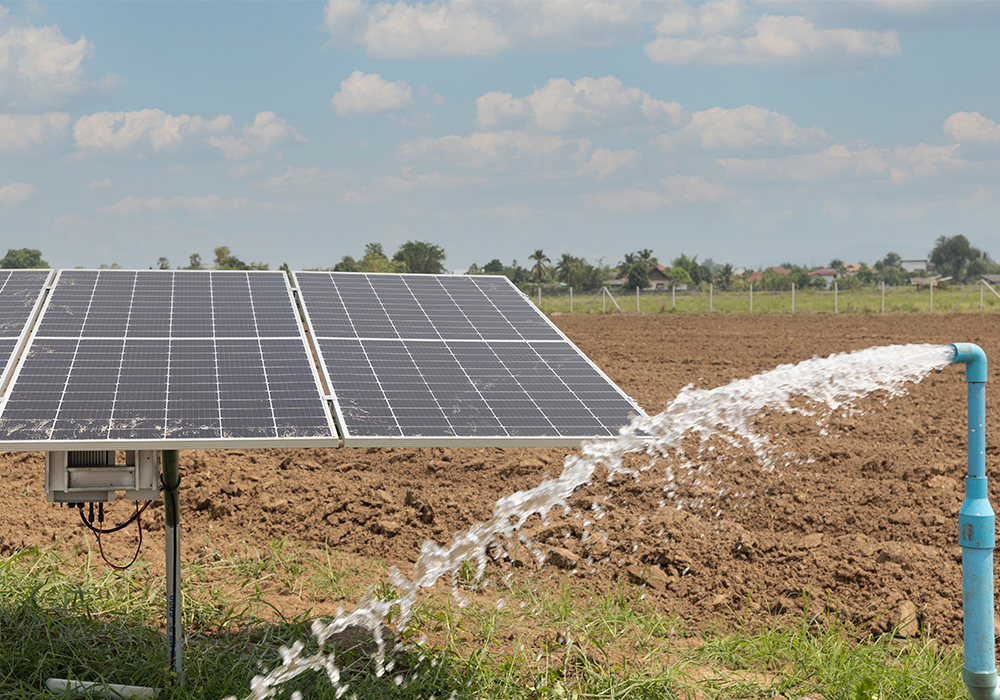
625	265
540	259
565	268
726	273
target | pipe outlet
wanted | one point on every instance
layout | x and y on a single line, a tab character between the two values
974	359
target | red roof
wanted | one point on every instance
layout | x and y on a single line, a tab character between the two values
778	269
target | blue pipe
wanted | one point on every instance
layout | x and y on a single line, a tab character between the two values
977	535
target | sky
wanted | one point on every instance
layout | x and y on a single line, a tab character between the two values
299	132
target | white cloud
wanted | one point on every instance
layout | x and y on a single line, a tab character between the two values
589	102
743	127
40	66
309	180
22	131
422	182
15	193
899	165
104	184
604	164
723	32
498	151
694	189
268	131
677	189
210	206
121	131
972	126
364	94
244	169
345	187
464	28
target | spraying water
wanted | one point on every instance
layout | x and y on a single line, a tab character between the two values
820	388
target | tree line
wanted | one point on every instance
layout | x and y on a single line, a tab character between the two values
951	256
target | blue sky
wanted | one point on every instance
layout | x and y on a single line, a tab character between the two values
298	132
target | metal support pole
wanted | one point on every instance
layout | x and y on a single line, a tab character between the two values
793	297
571	300
637	300
883	297
931	307
711	291
751	297
980	297
673	297
835	290
539	297
171	507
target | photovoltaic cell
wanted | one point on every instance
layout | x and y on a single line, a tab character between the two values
165	359
21	293
441	359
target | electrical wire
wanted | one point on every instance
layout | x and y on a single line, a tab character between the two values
100	531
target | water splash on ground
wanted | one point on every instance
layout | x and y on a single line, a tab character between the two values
820	388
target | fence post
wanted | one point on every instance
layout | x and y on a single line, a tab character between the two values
673	300
835	309
883	297
637	300
931	307
571	300
711	291
793	297
539	297
980	296
751	297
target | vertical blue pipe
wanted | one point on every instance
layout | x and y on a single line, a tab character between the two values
977	535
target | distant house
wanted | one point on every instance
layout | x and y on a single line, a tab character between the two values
778	269
658	279
827	274
913	265
852	269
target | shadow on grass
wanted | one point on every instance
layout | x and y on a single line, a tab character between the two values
38	642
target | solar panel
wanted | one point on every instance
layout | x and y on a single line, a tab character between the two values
166	360
447	359
21	293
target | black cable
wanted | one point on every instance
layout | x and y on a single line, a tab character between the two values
106	531
175	489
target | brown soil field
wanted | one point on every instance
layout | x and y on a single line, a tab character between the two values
868	523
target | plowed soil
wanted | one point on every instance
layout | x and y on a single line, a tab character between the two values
868	523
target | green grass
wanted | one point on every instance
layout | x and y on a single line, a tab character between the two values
857	301
557	640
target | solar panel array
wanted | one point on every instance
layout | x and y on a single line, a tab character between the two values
161	360
21	294
436	359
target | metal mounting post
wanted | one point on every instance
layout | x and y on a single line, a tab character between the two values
171	508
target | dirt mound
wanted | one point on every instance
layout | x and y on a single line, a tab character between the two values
865	520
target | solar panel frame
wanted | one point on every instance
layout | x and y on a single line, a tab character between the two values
345	361
16	325
146	357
